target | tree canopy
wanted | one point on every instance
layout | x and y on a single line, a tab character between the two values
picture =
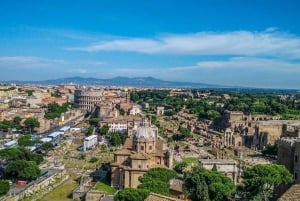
179	167
254	102
116	139
132	194
104	130
4	187
26	141
55	110
156	186
94	121
162	174
270	150
31	123
21	169
260	180
5	124
157	180
201	184
17	122
122	112
47	146
11	154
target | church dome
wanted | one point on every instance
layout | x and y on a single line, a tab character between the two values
145	131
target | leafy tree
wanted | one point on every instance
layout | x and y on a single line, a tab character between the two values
213	115
81	156
90	130
116	139
260	180
17	122
25	141
12	154
156	186
4	187
56	94
169	112
180	167
104	130
184	131
219	187
196	188
270	150
47	146
21	169
134	97
8	89
55	110
214	168
5	124
94	121
132	194
122	112
31	123
162	174
93	160
30	156
29	92
157	180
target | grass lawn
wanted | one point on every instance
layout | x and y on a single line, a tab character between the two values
85	164
79	164
190	161
100	186
62	192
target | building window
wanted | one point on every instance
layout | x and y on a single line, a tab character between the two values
296	175
150	147
142	147
140	166
296	158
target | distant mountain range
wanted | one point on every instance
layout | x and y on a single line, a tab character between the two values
149	82
120	81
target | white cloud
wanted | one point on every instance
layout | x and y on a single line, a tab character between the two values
37	62
183	68
237	64
90	62
28	61
241	43
252	63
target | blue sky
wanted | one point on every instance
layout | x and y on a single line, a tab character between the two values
231	42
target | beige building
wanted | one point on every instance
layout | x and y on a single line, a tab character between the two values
158	197
142	151
160	111
256	131
289	155
123	124
292	194
228	167
87	99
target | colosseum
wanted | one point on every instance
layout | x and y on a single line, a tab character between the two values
87	99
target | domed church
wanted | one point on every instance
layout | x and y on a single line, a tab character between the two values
142	151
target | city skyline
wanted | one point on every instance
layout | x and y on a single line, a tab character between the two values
249	43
